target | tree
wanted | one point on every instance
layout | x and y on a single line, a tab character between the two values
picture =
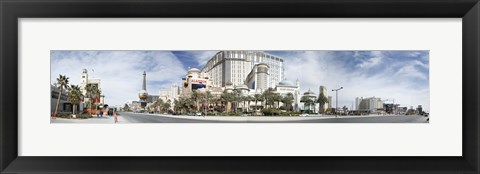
75	96
287	101
258	97
235	100
176	105
210	99
92	93
158	104
250	99
227	98
189	104
267	95
126	107
307	101
195	97
322	100
166	106
62	83
276	98
244	99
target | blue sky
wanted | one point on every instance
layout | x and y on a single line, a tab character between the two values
399	75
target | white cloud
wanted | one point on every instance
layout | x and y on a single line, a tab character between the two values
410	70
121	72
315	68
202	57
374	61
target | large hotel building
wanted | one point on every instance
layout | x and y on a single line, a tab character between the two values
235	66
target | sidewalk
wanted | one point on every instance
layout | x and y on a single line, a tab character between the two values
261	118
93	120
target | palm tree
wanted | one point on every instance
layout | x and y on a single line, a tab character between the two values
249	99
276	98
258	97
267	95
210	99
159	104
287	101
176	105
227	98
322	100
218	100
195	97
75	96
244	99
62	83
166	105
307	101
92	93
189	104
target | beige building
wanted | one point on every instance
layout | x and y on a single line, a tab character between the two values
234	66
372	103
258	79
86	80
194	80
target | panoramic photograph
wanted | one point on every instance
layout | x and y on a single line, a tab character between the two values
239	86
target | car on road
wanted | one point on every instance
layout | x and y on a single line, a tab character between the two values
304	115
110	111
198	114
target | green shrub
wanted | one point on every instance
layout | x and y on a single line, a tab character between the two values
83	116
234	114
64	114
271	112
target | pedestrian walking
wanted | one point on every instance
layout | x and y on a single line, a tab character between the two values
115	116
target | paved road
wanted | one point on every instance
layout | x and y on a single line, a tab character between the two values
149	118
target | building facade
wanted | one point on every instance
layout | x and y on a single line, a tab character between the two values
258	79
285	87
234	66
194	80
171	92
372	104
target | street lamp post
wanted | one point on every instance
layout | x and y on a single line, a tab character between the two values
336	100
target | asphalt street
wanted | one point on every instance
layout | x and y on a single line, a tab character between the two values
151	118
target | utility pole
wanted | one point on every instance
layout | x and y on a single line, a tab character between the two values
336	100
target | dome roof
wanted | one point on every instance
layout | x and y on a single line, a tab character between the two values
229	83
287	83
309	92
193	70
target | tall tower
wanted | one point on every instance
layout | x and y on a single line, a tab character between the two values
83	84
143	95
144	86
262	76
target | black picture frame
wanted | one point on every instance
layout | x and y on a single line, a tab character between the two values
11	10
